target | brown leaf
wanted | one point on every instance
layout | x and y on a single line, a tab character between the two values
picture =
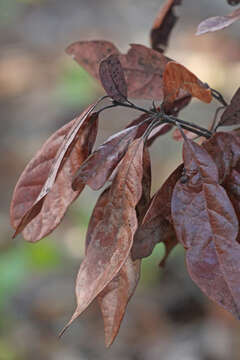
177	135
231	115
98	167
224	149
175	107
143	67
114	298
206	224
156	226
42	194
163	25
113	236
176	77
89	54
158	131
218	22
112	78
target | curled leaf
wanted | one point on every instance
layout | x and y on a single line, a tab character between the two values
218	22
112	238
176	77
98	167
43	192
112	78
163	25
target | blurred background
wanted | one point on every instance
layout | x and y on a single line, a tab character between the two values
41	88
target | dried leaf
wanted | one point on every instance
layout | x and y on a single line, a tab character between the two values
43	192
143	67
218	22
112	78
175	107
163	25
113	236
98	167
114	298
156	226
224	149
206	224
89	54
231	115
176	77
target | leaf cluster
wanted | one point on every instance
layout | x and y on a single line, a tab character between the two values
198	206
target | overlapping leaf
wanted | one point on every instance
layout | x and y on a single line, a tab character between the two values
207	226
231	115
143	67
113	236
177	78
43	192
218	22
163	25
156	226
224	148
96	170
112	78
114	298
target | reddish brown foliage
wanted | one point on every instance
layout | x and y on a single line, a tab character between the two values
218	22
198	205
112	78
42	194
163	25
176	78
231	115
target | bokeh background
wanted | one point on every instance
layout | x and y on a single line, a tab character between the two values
41	88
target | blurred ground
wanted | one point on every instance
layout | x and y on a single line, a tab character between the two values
41	89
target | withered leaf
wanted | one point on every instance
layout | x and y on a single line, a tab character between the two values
207	226
231	115
143	67
112	78
163	25
42	194
175	107
176	77
114	298
89	54
224	149
156	225
98	167
113	236
218	22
